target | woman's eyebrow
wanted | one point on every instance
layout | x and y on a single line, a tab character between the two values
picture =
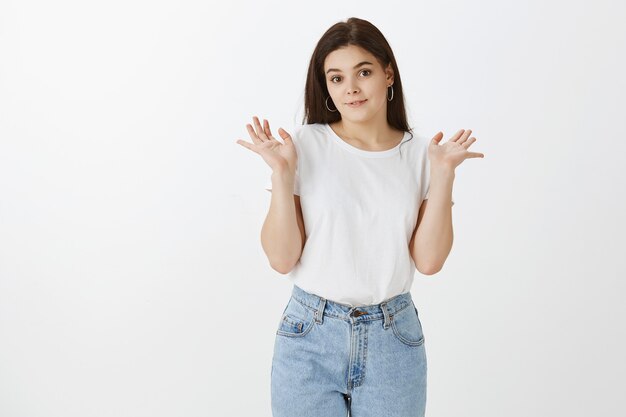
355	67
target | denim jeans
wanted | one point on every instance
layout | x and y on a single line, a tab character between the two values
334	360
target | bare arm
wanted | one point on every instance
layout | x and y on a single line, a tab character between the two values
282	235
433	236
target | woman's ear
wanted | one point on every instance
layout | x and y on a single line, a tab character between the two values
389	73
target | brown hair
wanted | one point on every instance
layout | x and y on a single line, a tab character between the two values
362	33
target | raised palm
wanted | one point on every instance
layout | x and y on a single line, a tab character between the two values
451	153
276	154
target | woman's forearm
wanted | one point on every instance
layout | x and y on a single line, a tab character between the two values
280	236
434	235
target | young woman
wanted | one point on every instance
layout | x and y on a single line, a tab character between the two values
349	222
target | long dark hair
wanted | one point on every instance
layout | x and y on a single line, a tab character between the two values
362	33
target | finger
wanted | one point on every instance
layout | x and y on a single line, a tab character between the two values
475	155
468	142
259	130
266	126
285	135
464	137
246	145
252	134
269	132
456	136
437	138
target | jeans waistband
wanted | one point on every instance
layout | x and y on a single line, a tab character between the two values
322	306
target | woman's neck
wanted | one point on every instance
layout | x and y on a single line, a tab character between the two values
370	136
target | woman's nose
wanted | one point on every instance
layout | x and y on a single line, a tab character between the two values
353	89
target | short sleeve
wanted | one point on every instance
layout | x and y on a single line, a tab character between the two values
427	192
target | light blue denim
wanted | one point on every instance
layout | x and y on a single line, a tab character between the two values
333	360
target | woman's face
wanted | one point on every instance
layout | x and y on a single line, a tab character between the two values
349	80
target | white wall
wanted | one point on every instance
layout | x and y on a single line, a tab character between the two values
132	279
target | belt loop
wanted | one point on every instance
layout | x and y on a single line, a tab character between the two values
319	314
387	320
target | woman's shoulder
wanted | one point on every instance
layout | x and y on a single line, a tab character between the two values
311	127
417	138
308	131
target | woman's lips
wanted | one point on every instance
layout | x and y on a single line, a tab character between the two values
357	103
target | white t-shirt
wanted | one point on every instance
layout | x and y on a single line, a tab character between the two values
360	210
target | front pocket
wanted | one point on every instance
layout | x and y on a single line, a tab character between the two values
407	327
296	321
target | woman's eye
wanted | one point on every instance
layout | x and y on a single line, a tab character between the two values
333	79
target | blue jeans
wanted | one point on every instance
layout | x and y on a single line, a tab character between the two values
333	360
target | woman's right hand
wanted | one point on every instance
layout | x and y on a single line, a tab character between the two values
277	155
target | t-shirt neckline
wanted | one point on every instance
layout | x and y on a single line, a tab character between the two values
363	152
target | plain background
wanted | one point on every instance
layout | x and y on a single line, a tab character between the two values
132	278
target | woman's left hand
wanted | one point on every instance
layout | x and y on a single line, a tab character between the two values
450	154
